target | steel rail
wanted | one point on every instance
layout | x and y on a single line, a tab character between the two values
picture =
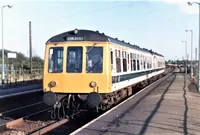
16	109
49	127
10	124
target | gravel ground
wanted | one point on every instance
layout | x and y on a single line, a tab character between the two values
28	125
25	127
16	102
13	132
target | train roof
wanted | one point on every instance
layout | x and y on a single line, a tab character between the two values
88	35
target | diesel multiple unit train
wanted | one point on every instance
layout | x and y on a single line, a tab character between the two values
88	69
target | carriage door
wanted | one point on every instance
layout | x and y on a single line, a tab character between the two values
113	66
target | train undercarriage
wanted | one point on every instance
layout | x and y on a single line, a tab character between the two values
67	106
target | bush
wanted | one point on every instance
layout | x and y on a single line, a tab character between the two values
22	62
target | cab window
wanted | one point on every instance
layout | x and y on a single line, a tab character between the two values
94	59
55	60
74	59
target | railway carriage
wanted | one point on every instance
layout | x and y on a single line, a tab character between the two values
88	68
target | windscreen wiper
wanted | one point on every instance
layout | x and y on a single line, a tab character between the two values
91	48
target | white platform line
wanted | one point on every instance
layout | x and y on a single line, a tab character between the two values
86	125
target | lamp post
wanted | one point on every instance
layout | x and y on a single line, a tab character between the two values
185	56
191	69
190	4
3	71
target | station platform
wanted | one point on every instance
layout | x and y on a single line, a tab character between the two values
172	108
4	93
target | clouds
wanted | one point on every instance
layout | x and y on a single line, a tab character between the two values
183	6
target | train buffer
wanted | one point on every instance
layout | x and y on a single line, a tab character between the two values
172	107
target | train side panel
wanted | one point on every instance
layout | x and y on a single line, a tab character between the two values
142	71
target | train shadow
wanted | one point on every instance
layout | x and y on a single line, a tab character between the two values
44	116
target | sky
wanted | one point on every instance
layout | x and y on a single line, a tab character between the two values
153	24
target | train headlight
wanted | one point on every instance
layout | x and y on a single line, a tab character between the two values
93	84
52	83
76	31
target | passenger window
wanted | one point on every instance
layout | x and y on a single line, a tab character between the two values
128	58
128	61
124	61
134	62
74	59
141	63
147	60
118	61
138	65
149	63
144	63
131	61
55	64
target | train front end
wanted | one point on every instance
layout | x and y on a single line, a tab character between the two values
76	69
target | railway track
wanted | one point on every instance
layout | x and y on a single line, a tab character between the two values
19	115
49	127
25	126
6	113
22	123
19	112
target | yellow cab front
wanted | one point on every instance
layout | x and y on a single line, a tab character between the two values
74	67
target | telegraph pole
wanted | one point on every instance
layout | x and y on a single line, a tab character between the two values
30	47
186	56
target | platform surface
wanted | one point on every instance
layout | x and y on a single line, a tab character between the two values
170	109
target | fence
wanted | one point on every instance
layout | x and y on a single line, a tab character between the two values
16	76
